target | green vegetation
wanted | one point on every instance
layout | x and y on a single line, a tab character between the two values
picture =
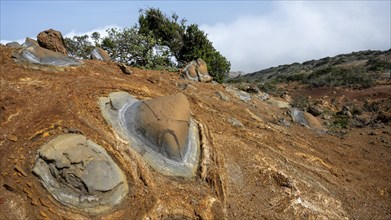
337	76
301	103
157	42
361	69
186	42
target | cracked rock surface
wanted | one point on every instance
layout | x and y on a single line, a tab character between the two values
79	173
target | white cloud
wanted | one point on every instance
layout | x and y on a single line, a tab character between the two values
300	31
21	41
100	30
72	33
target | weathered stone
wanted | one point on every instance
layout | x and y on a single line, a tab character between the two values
279	103
52	40
242	95
36	55
80	174
160	130
197	70
315	110
235	122
100	54
164	121
222	96
13	45
30	43
305	119
124	68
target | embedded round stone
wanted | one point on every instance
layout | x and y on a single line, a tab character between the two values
161	130
164	122
80	174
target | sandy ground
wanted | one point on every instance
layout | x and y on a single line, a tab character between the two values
260	171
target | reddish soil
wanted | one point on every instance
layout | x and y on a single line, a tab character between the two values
267	171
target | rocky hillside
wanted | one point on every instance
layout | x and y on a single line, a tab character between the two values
257	158
360	69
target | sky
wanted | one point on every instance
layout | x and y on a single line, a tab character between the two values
252	35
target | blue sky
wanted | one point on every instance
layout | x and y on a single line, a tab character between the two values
252	34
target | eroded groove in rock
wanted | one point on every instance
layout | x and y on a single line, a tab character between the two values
80	174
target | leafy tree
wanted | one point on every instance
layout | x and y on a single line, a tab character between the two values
79	47
186	42
130	47
154	23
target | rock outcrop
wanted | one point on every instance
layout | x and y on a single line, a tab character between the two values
52	40
305	119
32	54
197	70
100	54
159	129
80	174
13	45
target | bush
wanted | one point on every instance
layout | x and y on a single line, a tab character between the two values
301	103
79	47
186	42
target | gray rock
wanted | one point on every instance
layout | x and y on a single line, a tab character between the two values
34	54
13	45
306	119
315	110
298	117
235	122
284	122
99	54
80	174
264	97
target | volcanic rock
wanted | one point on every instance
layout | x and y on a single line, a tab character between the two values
52	40
80	174
100	54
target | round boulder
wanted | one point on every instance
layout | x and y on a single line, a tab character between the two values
164	122
52	40
79	173
159	129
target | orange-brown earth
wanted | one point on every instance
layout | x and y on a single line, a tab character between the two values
265	170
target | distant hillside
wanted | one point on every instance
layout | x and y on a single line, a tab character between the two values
354	69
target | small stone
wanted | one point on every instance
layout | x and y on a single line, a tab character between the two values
12	137
235	122
222	96
124	68
372	133
20	170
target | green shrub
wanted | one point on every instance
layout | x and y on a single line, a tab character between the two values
339	122
301	103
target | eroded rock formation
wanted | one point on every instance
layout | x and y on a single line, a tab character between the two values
79	173
197	70
52	40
